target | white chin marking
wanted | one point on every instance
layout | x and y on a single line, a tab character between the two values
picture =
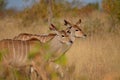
83	37
69	43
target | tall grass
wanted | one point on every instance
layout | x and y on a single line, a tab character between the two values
98	54
94	58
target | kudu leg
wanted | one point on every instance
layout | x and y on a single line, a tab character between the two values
37	73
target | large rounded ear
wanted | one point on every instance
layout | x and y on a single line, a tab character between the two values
53	28
67	23
79	21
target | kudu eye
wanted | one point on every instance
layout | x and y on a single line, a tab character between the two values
68	32
63	36
76	30
70	27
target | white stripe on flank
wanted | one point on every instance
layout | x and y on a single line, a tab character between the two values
43	39
25	56
5	57
23	53
17	53
13	51
19	60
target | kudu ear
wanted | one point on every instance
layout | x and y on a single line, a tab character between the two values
79	21
53	28
66	23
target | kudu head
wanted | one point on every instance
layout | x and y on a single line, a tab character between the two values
62	36
74	29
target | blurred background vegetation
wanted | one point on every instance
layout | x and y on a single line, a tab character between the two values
51	11
95	58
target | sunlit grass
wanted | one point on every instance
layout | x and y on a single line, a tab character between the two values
62	60
93	57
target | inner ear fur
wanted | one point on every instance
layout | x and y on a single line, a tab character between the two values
79	21
52	27
66	22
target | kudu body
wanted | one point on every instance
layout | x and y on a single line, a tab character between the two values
72	30
55	47
17	52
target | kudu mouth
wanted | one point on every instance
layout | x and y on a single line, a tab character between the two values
71	41
84	36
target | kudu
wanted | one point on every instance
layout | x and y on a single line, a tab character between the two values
72	30
16	52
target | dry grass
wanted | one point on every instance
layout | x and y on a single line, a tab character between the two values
94	58
10	27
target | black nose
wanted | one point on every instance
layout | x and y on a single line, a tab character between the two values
71	41
85	35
